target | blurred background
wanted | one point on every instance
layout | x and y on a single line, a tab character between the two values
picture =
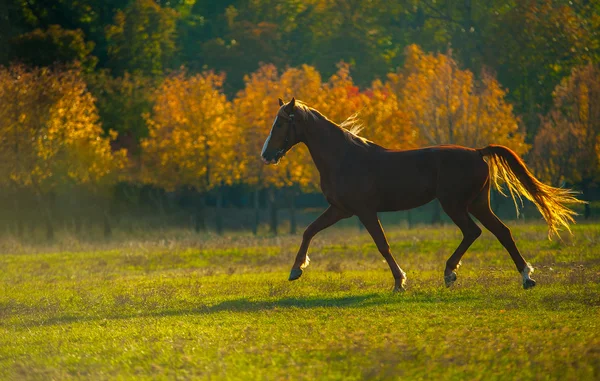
129	115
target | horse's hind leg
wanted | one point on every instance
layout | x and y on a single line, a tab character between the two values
480	208
374	228
459	215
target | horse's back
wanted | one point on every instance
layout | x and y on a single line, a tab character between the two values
410	178
462	172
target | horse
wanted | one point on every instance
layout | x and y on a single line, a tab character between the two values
361	178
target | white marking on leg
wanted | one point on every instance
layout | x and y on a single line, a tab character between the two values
402	273
526	272
305	263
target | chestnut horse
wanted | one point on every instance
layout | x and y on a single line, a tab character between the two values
361	178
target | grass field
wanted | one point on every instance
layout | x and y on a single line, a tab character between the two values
174	305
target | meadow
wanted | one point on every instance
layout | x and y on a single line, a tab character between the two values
178	305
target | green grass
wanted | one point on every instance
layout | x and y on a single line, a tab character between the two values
173	305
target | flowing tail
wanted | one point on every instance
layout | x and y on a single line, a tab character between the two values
506	166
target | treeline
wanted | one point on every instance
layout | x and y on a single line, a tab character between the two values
103	101
199	142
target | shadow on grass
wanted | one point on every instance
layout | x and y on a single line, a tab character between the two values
245	305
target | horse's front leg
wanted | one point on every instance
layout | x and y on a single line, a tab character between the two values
328	218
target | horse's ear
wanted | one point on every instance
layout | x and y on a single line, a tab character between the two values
280	102
292	104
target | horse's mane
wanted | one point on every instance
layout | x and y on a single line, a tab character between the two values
351	127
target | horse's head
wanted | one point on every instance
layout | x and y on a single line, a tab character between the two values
283	134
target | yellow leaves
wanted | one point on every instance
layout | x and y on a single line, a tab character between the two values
448	107
197	138
385	122
191	137
51	130
256	107
566	147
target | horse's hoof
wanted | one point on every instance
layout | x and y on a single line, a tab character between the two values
295	274
528	283
450	279
400	285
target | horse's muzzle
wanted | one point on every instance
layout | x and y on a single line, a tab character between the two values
272	159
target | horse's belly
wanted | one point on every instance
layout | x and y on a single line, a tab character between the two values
406	190
404	201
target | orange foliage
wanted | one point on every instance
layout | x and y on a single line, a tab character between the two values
50	133
386	123
198	139
567	146
256	107
448	106
339	97
191	139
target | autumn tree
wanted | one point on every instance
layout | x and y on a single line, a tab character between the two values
448	106
122	101
50	136
567	146
386	123
191	140
256	107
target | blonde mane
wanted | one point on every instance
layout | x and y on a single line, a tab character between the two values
352	126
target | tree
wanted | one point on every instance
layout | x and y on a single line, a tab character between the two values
50	136
122	102
566	148
142	39
256	107
44	47
533	44
448	106
191	140
386	123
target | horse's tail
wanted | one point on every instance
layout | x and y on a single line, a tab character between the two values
506	166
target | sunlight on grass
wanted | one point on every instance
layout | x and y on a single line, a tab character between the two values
222	308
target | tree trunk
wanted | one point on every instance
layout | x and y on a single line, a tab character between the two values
20	227
292	199
199	223
77	223
219	211
49	229
157	197
256	212
133	198
76	203
587	211
19	215
49	204
106	223
273	210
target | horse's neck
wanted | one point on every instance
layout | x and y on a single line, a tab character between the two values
327	145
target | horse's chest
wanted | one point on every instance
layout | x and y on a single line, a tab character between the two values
342	190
